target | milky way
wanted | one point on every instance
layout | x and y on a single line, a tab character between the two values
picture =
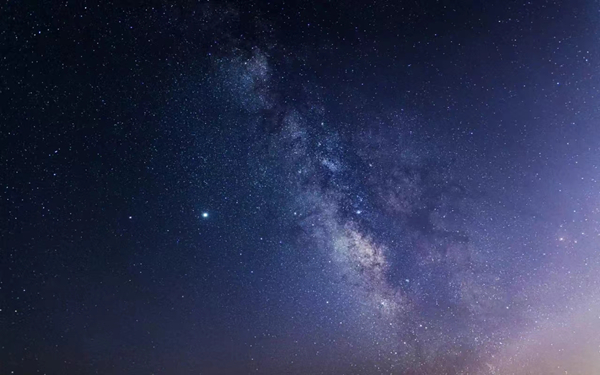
421	258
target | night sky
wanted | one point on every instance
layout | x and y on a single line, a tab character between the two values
327	187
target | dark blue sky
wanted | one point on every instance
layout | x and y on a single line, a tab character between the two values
300	188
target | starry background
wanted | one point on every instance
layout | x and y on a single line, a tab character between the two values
396	187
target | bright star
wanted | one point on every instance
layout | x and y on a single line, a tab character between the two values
205	215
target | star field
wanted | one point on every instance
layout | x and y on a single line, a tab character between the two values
300	188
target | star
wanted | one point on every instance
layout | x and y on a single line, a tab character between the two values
205	215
